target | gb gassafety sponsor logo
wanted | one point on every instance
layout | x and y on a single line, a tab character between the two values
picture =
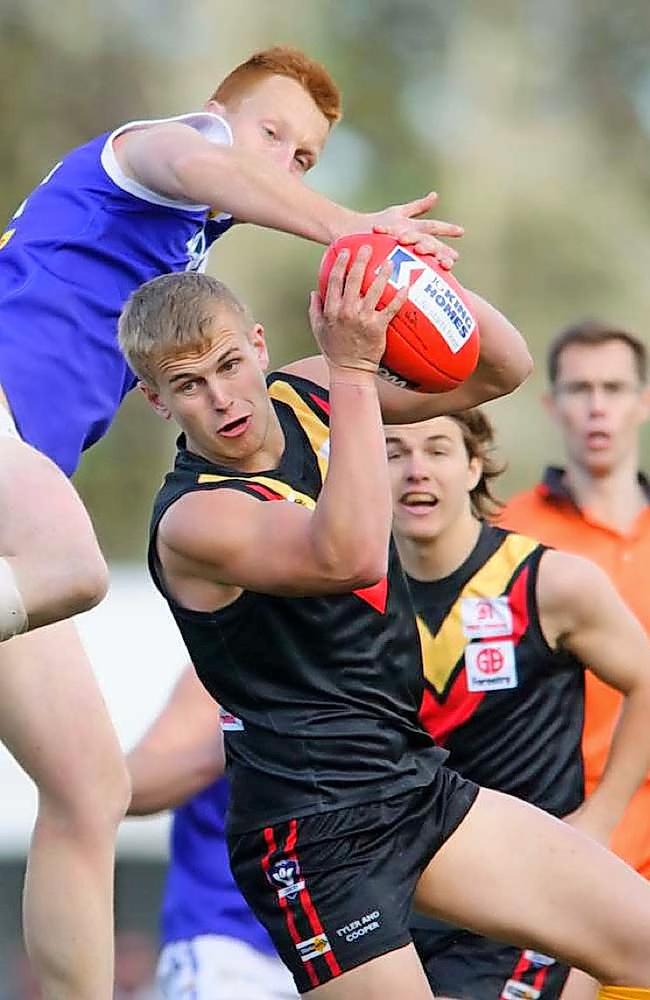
490	665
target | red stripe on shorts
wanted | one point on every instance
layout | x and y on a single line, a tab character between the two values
269	837
306	900
540	978
522	965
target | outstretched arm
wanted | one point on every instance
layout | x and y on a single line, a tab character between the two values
178	162
181	752
582	612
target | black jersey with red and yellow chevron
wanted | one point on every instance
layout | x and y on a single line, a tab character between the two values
321	694
507	707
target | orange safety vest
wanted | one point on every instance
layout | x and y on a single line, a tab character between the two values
549	514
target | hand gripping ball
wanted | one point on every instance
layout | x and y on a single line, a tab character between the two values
432	344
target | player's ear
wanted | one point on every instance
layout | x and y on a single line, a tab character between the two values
645	403
215	107
475	471
548	402
257	340
154	399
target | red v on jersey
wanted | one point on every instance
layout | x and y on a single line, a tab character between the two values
375	596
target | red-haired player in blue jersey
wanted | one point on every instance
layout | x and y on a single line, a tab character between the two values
144	200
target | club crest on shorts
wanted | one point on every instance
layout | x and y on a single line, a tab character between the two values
285	878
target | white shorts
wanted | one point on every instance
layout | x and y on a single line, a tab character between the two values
7	425
214	967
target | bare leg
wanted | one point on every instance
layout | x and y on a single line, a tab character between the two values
580	986
47	537
54	721
395	974
517	874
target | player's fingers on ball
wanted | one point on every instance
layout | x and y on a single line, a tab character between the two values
315	309
356	273
376	289
335	282
430	245
391	310
408	237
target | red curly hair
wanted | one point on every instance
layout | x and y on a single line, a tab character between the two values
281	60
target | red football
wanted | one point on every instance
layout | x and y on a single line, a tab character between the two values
432	344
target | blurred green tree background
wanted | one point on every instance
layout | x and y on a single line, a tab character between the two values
530	117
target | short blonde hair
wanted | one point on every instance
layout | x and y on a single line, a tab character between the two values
282	60
172	312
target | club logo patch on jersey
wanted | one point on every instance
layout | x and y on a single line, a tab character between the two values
485	617
284	876
514	990
197	252
490	666
313	947
230	723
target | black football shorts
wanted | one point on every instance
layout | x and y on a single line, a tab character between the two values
334	889
466	966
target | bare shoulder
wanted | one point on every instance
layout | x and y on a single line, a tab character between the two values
568	583
150	131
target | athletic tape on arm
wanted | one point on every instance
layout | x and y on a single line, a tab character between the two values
13	617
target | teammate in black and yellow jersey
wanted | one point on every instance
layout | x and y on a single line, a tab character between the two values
506	627
270	540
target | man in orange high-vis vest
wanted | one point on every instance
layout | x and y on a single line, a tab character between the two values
599	506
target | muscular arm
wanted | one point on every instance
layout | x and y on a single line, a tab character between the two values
581	611
504	363
181	752
176	161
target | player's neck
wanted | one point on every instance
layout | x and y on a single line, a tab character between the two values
615	498
437	558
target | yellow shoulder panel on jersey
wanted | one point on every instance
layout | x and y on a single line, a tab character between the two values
315	429
286	491
441	652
